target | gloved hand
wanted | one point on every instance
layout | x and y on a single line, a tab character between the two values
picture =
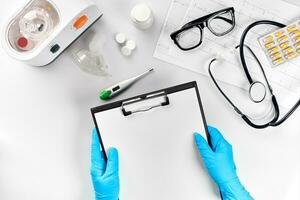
105	176
220	165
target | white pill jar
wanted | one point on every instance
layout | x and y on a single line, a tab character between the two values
142	16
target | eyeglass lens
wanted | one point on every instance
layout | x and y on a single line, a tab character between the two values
221	23
189	38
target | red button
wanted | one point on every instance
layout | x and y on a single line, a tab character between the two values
22	42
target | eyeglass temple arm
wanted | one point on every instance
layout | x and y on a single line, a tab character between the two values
206	17
203	19
197	21
225	19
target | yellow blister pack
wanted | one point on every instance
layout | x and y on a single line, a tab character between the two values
282	45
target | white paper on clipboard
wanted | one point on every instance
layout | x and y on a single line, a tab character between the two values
158	157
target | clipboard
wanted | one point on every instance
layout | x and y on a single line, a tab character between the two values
154	135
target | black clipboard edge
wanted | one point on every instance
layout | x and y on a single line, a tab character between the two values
168	90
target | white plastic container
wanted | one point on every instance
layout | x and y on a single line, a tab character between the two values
42	29
142	16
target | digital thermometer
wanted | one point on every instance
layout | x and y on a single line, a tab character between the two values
111	91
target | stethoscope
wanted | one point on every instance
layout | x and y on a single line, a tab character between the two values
257	90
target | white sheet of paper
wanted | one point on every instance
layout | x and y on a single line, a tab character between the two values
158	156
285	79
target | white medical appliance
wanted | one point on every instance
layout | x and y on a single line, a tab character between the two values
42	29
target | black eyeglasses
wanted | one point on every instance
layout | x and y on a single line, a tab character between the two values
191	34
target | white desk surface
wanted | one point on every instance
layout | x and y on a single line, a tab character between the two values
45	120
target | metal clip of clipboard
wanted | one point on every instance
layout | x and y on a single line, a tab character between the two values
144	98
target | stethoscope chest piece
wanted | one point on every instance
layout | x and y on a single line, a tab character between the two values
257	92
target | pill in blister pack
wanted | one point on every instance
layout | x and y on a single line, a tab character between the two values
282	45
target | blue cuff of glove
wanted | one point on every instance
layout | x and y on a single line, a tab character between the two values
104	197
234	190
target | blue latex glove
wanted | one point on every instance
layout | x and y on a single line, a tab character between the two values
220	165
105	176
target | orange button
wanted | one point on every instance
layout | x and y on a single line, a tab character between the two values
80	22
